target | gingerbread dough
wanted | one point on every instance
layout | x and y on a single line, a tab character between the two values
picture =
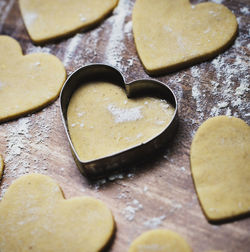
220	158
34	216
173	34
46	19
29	82
1	166
159	240
103	121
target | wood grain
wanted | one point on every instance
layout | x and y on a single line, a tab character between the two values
163	186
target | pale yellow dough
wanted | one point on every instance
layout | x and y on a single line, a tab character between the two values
47	19
1	166
173	34
159	240
34	216
29	82
220	163
103	121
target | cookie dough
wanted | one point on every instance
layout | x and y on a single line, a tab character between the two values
29	82
103	121
159	240
1	166
46	19
34	216
182	34
220	158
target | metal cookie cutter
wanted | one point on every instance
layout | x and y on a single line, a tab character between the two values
102	167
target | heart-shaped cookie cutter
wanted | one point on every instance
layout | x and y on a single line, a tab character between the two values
102	167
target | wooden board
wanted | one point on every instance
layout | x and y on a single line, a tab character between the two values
160	192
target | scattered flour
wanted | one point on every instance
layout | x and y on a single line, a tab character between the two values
120	27
16	138
122	196
233	70
130	62
26	148
183	168
125	114
196	92
229	86
215	111
243	88
128	28
222	104
71	48
77	54
245	10
130	210
154	222
37	49
131	175
99	183
115	177
175	82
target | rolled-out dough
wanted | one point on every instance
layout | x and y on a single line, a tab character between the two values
159	240
46	19
173	34
220	164
34	216
27	83
103	121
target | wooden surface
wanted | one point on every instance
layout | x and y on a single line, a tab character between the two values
161	192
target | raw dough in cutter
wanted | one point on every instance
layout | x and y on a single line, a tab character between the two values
220	163
47	19
172	34
29	82
103	121
159	240
1	166
34	216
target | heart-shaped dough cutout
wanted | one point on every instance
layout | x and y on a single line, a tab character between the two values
220	158
34	216
46	19
159	240
1	166
173	34
27	83
103	121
